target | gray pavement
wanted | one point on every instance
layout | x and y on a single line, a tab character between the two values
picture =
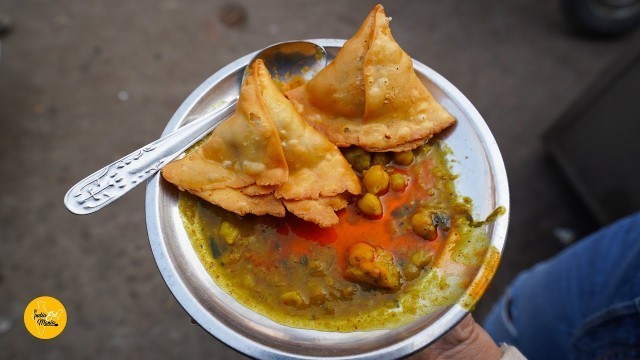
84	82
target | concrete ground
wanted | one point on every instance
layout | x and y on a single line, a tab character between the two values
85	82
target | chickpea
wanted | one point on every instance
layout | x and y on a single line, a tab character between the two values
403	158
370	205
361	251
228	232
422	224
376	180
398	182
358	158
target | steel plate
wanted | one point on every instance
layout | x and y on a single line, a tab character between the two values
482	177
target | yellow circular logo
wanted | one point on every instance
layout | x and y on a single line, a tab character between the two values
45	317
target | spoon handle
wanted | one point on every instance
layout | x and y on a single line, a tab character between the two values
112	181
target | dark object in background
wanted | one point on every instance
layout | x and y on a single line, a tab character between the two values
597	142
602	17
5	25
233	15
5	28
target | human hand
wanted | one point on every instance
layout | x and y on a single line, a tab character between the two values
467	340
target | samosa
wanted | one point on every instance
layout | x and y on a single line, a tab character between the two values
265	157
370	95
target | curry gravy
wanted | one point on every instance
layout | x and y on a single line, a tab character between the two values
293	272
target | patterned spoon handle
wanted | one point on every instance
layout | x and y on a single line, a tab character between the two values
111	182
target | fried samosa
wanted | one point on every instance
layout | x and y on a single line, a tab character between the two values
370	95
266	156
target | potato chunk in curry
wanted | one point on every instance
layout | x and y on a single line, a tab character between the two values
372	265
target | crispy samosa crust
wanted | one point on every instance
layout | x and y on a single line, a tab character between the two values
317	168
320	211
241	204
244	150
266	155
370	96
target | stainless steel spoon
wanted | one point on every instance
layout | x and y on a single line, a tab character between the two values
111	182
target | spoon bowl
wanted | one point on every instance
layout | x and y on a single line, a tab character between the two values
101	188
291	58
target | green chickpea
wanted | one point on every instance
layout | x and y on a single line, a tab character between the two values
380	158
376	180
358	158
370	205
398	182
403	158
228	232
422	224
